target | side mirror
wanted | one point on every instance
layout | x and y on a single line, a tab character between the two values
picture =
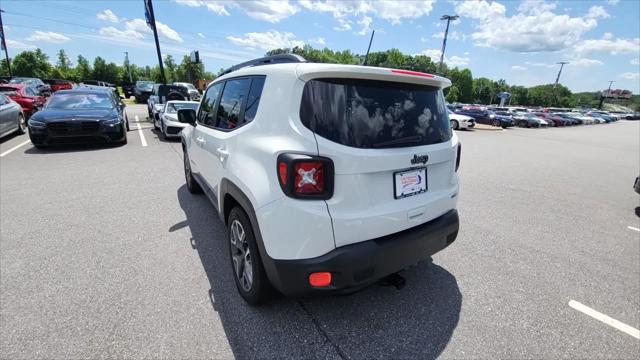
187	116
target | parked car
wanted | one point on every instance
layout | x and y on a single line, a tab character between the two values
81	115
194	94
142	91
459	121
347	201
98	83
11	117
129	90
571	117
25	95
529	120
161	94
57	84
167	119
37	84
553	120
483	116
608	118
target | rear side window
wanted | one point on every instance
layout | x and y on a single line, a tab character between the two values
232	103
253	100
375	114
206	114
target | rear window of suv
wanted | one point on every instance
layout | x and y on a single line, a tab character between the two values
375	114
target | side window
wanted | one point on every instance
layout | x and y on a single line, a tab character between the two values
206	114
29	92
253	100
232	102
3	100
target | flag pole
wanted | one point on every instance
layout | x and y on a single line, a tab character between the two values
4	45
151	21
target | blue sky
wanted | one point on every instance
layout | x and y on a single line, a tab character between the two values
519	41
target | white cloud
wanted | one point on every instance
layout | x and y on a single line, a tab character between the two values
630	75
453	35
635	61
111	31
107	15
395	11
345	25
597	11
611	46
48	36
613	2
535	27
423	39
453	61
434	54
607	36
140	26
584	62
318	41
518	68
266	10
365	22
268	40
201	35
539	64
16	44
168	32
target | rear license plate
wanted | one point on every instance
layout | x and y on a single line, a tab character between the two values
409	182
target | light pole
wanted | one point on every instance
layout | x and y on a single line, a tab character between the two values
126	56
449	18
608	94
561	63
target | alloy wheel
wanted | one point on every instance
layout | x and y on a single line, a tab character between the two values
241	255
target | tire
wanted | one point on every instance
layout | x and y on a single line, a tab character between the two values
124	141
496	123
155	124
248	272
163	134
22	124
38	145
192	184
455	125
126	118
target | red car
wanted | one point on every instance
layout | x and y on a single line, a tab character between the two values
59	84
25	95
553	120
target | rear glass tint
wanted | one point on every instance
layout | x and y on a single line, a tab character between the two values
375	114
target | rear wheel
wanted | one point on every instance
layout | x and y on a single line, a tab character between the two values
454	124
496	123
192	184
250	277
22	124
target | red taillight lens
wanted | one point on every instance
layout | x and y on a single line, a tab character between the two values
309	178
304	176
282	173
320	279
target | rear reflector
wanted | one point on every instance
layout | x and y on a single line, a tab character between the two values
320	279
409	72
309	177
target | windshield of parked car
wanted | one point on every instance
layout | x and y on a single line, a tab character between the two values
503	113
80	101
173	108
19	80
187	85
372	114
145	85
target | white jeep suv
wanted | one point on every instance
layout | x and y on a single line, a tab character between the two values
328	177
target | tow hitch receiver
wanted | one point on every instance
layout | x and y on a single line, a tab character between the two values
394	279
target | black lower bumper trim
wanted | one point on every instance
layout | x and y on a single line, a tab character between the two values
359	264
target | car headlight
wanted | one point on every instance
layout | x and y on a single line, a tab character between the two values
37	124
112	122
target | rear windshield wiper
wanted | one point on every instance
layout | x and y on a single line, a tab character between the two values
407	140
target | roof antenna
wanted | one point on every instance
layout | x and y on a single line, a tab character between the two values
366	57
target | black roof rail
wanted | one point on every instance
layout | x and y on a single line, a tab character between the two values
274	59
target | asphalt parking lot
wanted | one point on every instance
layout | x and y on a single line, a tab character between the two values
104	253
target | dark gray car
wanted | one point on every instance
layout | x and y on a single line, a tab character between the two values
11	117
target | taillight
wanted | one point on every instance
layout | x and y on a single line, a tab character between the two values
458	156
305	176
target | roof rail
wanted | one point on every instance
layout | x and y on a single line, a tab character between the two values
274	59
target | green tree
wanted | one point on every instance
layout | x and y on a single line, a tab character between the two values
31	64
453	94
99	69
63	64
170	69
83	69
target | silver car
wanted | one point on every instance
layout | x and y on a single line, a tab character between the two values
194	94
167	119
11	117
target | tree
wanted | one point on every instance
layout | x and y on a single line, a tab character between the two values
83	69
453	94
31	64
170	69
64	64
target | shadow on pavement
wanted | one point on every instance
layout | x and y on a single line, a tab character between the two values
377	322
11	136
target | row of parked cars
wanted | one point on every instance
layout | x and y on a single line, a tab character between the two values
466	116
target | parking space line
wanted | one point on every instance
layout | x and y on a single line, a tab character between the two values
15	148
633	228
605	319
142	139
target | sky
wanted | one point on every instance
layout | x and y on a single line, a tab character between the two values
519	41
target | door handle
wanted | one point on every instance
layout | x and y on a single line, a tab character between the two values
222	152
200	140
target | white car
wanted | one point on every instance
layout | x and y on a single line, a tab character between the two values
167	119
328	177
194	94
459	121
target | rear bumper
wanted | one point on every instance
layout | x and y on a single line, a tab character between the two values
356	265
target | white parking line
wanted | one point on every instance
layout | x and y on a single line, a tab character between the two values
633	228
15	148
142	139
605	319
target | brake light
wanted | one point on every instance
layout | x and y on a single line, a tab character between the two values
409	72
320	279
458	156
305	176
